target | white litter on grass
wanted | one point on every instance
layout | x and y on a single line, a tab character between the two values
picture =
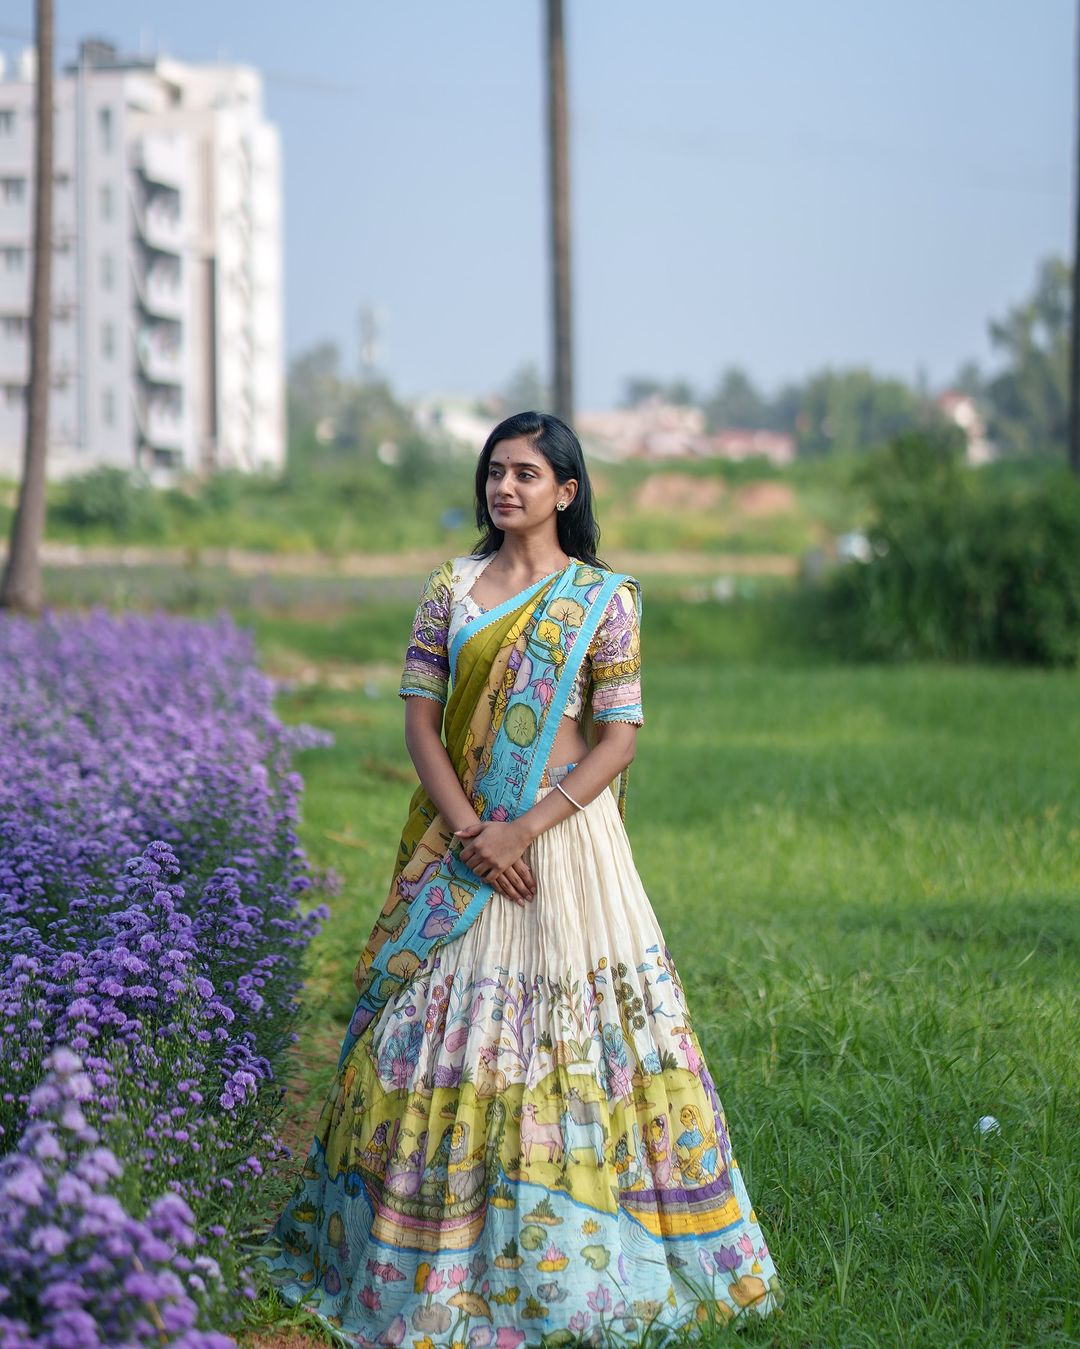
987	1125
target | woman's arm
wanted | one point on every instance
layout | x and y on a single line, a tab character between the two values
492	846
423	739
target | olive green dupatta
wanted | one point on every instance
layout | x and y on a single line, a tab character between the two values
513	670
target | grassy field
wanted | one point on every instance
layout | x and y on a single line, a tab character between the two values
869	880
364	506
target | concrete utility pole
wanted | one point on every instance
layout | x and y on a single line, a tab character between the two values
22	587
1074	355
559	200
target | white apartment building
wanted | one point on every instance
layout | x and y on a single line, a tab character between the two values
167	325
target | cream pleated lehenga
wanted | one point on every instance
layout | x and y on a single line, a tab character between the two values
529	1147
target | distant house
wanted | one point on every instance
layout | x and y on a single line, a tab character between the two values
658	430
736	443
464	422
651	430
962	410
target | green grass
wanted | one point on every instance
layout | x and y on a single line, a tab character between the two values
868	879
363	506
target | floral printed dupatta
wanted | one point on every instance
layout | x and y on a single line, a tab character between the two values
513	671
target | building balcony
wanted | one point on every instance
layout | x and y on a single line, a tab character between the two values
165	430
158	219
161	421
158	286
161	159
160	355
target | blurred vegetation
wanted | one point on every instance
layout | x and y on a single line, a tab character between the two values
867	879
966	564
969	566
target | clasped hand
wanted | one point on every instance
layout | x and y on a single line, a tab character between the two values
493	849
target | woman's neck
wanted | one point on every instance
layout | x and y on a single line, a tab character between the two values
531	557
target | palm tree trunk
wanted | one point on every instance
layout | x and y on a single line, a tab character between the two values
22	586
559	180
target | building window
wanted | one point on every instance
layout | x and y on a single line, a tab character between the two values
104	121
12	190
7	121
105	201
14	394
14	325
14	259
107	339
106	272
108	407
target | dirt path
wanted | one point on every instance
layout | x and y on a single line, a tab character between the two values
244	563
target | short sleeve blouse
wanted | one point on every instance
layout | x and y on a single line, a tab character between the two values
610	674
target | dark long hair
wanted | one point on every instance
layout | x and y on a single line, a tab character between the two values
579	534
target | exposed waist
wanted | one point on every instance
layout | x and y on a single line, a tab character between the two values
554	774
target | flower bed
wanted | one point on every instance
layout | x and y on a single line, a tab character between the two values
150	925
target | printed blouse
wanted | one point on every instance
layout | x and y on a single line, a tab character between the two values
610	674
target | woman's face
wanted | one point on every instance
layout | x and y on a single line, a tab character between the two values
522	490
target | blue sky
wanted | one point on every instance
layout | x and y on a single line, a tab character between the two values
780	185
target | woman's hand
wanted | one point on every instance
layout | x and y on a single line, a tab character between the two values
493	849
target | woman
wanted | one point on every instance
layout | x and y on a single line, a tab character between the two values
697	1145
520	1032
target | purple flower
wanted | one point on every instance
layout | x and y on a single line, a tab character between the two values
727	1258
151	935
23	1185
600	1300
438	924
49	1239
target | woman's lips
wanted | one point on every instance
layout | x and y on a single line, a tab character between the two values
499	507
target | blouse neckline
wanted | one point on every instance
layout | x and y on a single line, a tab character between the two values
467	598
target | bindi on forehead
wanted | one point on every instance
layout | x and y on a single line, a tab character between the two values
508	461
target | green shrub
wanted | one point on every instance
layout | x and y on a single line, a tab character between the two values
109	501
965	565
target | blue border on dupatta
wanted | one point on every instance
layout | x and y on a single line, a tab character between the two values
489	616
565	686
370	1003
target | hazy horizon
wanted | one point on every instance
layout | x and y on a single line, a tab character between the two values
780	188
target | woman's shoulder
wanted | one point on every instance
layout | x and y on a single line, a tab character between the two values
453	567
626	597
463	571
453	578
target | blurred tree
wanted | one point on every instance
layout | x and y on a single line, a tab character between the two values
22	586
680	393
638	389
525	390
848	411
969	379
737	402
314	386
1029	399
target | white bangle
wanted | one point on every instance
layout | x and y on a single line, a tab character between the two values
560	788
